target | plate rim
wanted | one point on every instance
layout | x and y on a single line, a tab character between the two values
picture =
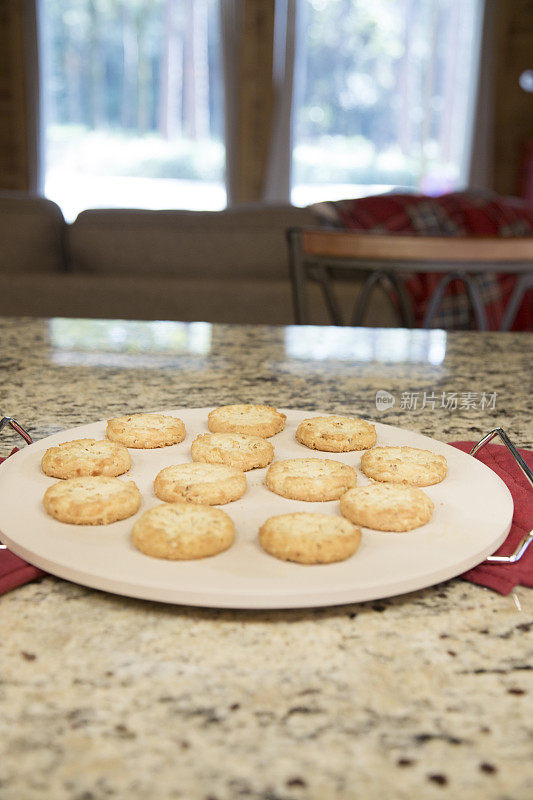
241	600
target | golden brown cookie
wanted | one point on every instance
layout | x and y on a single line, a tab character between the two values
208	484
314	479
407	465
83	457
387	507
234	449
183	531
252	420
309	538
96	500
336	434
146	430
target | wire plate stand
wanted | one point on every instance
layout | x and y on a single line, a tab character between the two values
17	427
526	540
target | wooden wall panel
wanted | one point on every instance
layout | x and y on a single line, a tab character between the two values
256	99
14	159
513	121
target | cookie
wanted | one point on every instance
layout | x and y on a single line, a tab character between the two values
183	531
82	457
309	538
146	430
234	449
407	465
336	434
252	420
315	479
95	500
387	507
209	484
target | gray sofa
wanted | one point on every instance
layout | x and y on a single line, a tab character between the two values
229	266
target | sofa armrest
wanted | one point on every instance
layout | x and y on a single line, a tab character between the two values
32	234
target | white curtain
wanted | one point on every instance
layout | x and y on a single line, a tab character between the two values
232	16
277	187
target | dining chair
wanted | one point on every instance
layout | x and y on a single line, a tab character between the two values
321	255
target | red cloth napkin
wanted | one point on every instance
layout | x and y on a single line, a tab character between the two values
504	577
14	571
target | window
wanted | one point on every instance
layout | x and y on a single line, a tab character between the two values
383	96
133	111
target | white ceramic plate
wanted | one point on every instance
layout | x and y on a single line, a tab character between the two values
473	514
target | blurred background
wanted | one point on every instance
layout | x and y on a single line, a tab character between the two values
203	103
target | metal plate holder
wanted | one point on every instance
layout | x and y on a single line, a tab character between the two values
526	541
17	427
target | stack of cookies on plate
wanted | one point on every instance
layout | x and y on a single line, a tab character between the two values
186	526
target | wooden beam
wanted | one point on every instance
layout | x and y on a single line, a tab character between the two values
341	244
256	99
513	111
14	152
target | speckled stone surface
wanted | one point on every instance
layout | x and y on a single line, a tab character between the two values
428	695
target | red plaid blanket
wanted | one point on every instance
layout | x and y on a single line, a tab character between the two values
457	214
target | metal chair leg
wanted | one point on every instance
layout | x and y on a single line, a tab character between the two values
382	278
321	274
298	277
523	283
473	296
406	309
362	301
475	301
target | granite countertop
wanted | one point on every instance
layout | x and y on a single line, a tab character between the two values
426	695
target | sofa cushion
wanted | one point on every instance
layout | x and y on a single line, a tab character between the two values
239	301
31	234
244	242
468	213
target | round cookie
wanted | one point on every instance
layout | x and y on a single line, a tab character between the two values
234	449
208	484
183	531
96	500
83	457
314	479
309	538
336	434
387	507
146	430
252	420
407	465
